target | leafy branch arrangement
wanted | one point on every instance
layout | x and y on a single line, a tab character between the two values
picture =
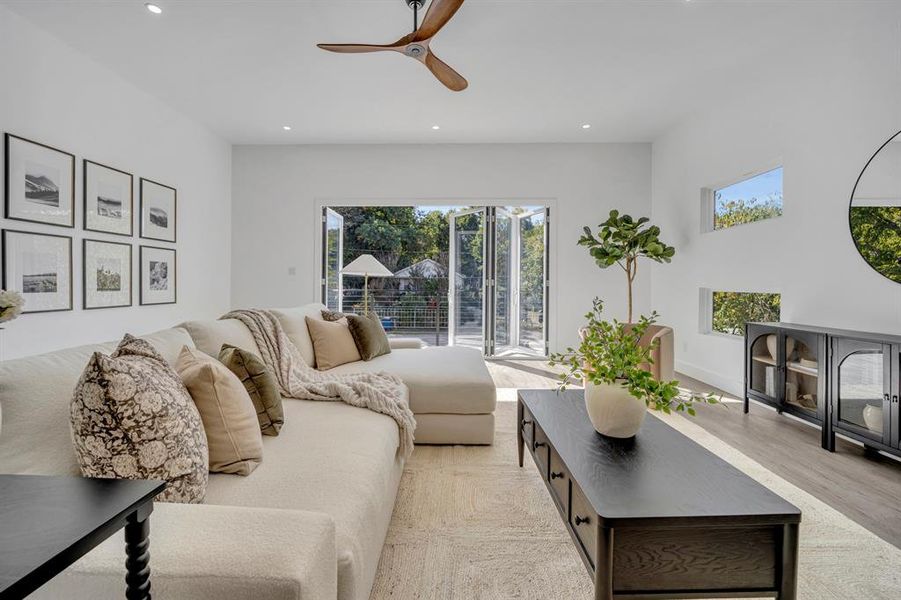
621	241
610	353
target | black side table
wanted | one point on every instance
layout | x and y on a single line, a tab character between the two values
47	523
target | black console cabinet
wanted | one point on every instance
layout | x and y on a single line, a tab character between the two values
846	382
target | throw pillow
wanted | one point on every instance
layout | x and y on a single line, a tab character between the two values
369	335
132	418
229	418
331	315
260	384
332	343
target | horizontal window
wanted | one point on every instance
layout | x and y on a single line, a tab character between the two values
729	311
753	199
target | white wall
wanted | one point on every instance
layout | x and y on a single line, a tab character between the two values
821	116
52	94
277	189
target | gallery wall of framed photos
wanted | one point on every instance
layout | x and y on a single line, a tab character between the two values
54	227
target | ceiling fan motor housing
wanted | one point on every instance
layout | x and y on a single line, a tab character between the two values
417	3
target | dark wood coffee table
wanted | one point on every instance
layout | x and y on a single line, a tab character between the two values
47	523
658	516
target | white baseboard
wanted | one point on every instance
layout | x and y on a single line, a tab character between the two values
735	387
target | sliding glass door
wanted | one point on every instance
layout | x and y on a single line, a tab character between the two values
332	259
466	281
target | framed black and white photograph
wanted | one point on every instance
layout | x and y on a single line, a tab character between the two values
108	199
40	183
158	211
107	274
38	265
158	275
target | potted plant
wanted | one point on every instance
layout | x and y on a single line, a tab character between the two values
621	241
613	366
11	304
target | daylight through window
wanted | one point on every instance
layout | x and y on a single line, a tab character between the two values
753	199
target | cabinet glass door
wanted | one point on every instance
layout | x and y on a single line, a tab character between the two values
764	366
860	388
802	371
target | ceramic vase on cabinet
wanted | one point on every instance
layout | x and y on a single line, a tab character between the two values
872	417
613	411
772	342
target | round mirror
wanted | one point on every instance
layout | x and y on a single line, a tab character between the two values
875	211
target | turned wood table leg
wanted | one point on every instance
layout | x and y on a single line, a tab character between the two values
788	584
137	555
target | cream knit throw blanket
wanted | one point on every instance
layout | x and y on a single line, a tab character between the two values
379	392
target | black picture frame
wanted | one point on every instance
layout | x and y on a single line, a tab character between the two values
3	270
6	177
141	299
84	274
141	232
84	198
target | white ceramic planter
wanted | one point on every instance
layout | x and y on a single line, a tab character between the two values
613	411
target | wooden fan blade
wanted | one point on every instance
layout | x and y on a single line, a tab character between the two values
439	13
444	73
356	48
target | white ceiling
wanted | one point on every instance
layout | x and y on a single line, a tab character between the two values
538	69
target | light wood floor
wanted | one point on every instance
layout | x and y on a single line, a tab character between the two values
866	490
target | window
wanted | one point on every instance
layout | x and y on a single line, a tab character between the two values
753	199
729	311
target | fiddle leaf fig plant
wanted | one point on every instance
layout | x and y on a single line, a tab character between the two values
611	353
622	240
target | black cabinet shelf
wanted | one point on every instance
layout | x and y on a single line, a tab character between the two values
842	381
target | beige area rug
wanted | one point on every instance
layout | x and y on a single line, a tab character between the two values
470	524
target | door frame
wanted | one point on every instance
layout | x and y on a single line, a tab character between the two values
452	272
323	277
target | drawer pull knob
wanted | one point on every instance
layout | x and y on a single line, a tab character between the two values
581	520
537	445
556	475
526	422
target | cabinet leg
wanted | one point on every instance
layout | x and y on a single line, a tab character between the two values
788	581
747	405
137	557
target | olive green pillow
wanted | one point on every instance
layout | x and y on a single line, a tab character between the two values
260	384
369	335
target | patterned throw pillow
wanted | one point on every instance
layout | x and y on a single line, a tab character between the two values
132	418
260	383
331	315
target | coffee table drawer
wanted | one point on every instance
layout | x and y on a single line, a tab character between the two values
559	480
584	523
540	450
528	427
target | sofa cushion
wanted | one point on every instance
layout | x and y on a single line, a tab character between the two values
261	386
209	335
446	379
294	322
229	418
35	392
333	343
369	335
132	418
331	458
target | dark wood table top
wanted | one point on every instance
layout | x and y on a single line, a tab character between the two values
657	477
47	523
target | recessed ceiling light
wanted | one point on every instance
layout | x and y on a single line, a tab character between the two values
436	127
586	126
153	8
286	127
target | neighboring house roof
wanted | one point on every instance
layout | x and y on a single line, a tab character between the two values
424	268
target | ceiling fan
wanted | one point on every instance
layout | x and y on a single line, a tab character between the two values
416	44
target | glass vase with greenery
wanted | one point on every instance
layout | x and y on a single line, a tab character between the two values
610	354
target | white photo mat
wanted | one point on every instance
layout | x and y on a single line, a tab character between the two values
159	206
40	183
158	275
107	274
108	199
40	267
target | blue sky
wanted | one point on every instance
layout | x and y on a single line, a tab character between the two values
761	187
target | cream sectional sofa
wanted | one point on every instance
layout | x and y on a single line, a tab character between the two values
308	524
